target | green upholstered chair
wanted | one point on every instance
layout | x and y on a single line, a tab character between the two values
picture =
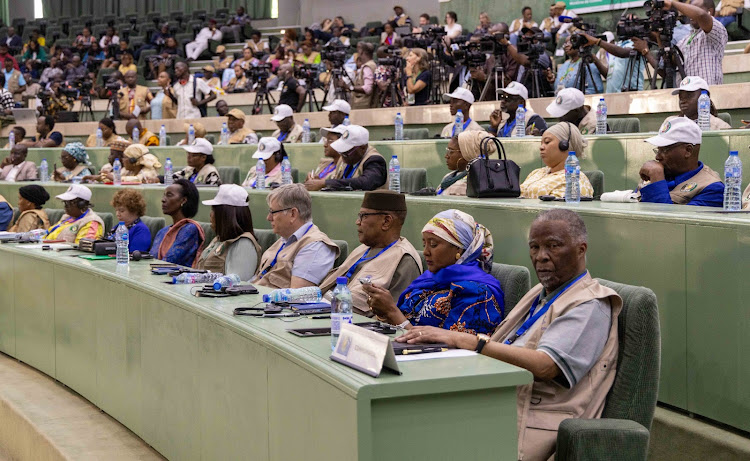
596	178
413	179
344	252
623	431
154	224
207	231
624	125
295	175
211	138
725	116
229	174
515	282
416	133
109	221
265	238
54	215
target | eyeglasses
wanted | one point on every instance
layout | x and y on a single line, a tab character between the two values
452	149
273	212
665	149
503	96
362	216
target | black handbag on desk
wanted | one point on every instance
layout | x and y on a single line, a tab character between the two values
490	178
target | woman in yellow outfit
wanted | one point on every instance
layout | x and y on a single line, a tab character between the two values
79	220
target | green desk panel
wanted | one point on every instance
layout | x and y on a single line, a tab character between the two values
7	305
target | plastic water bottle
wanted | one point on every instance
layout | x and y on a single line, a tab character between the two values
196	277
224	134
394	174
226	281
99	138
341	309
601	117
121	240
520	122
294	295
12	139
168	180
286	171
306	131
346	121
35	235
44	171
733	182
191	134
458	125
260	174
572	178
398	122
136	135
162	136
117	172
704	111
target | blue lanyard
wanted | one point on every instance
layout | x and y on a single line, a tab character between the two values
534	317
352	171
466	123
326	170
282	138
508	128
273	263
193	176
364	258
66	222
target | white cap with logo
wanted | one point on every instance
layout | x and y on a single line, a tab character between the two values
516	89
281	112
691	84
461	93
353	136
76	191
679	129
567	99
334	129
338	105
229	194
267	147
200	146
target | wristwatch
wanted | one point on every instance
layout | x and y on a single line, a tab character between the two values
483	340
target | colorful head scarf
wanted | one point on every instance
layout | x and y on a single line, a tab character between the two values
78	151
460	229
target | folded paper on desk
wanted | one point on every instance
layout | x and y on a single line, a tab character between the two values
450	353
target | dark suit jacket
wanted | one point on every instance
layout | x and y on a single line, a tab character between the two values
15	42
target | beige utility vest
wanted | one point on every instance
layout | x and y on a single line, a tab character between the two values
335	173
214	258
543	405
13	85
362	100
380	269
685	191
29	220
238	137
280	275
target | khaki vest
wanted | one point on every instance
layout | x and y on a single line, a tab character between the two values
214	257
362	100
506	118
294	136
141	100
238	137
30	220
371	151
168	107
685	191
70	232
280	276
542	405
381	269
336	173
14	86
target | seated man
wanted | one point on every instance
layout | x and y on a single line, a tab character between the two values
503	120
572	351
385	256
15	167
461	99
289	130
677	176
20	133
145	137
689	91
337	110
365	167
238	132
46	137
569	106
304	254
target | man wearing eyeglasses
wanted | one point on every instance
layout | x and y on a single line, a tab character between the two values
385	258
304	254
503	120
676	175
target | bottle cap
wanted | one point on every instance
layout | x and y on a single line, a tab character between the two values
169	159
217	286
394	156
121	223
601	99
266	299
704	92
174	279
342	280
286	158
398	113
733	152
572	152
460	111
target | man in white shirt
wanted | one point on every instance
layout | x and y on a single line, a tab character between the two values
200	44
186	90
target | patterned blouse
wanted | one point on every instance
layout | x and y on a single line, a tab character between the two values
467	306
542	182
207	176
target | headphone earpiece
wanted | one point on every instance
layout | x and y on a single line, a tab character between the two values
133	160
564	145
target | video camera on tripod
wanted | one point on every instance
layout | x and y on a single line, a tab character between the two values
658	20
335	53
474	54
533	46
259	73
394	59
426	38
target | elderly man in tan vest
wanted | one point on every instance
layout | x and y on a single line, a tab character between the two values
564	331
385	258
304	254
238	132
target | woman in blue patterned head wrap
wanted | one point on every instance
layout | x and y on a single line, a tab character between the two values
75	163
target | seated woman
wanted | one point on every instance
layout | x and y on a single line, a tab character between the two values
461	150
109	133
200	132
550	179
331	166
79	220
272	152
31	198
389	36
179	243
129	206
75	162
140	165
200	160
116	150
234	250
456	292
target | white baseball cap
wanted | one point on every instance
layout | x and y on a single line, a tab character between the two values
567	99
200	146
679	129
516	89
334	129
338	105
229	194
691	83
76	191
281	112
353	136
267	147
461	93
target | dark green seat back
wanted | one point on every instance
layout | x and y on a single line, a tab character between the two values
207	231
265	238
154	224
344	252
725	116
109	221
54	215
515	282
624	125
229	174
416	133
413	179
596	178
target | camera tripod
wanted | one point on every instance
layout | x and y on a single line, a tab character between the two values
440	81
310	95
497	71
585	75
674	66
393	91
636	64
263	96
113	107
339	91
86	109
535	81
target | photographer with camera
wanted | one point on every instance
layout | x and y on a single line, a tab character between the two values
55	99
134	99
569	72
503	120
461	99
703	50
388	88
292	93
534	60
363	86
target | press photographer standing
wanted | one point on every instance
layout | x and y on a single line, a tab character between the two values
363	87
703	49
